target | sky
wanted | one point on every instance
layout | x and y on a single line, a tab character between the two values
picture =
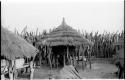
89	16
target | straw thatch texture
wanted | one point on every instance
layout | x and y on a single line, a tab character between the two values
13	46
65	35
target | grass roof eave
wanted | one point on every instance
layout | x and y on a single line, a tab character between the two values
13	46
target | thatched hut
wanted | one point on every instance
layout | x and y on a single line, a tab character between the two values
14	47
63	44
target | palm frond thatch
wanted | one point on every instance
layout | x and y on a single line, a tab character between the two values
13	46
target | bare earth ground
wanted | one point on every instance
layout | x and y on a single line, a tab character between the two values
98	71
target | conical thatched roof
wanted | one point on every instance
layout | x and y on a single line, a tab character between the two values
64	35
13	46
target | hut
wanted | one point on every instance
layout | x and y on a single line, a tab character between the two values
63	44
13	47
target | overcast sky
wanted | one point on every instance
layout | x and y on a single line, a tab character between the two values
84	15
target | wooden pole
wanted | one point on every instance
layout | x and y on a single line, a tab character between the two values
73	60
2	77
40	58
32	70
83	57
14	70
97	51
68	55
57	61
89	56
11	70
77	55
49	57
78	58
64	60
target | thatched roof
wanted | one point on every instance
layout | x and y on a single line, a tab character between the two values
64	35
13	46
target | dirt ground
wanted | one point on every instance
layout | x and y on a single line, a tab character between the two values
98	71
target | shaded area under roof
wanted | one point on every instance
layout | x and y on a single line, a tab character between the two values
13	46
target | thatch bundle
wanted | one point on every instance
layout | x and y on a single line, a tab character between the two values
13	46
64	35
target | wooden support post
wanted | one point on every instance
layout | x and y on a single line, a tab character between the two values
82	61
2	77
40	59
97	51
68	55
73	60
11	70
89	53
32	70
49	57
10	73
75	51
15	74
64	60
57	62
83	57
50	61
78	58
